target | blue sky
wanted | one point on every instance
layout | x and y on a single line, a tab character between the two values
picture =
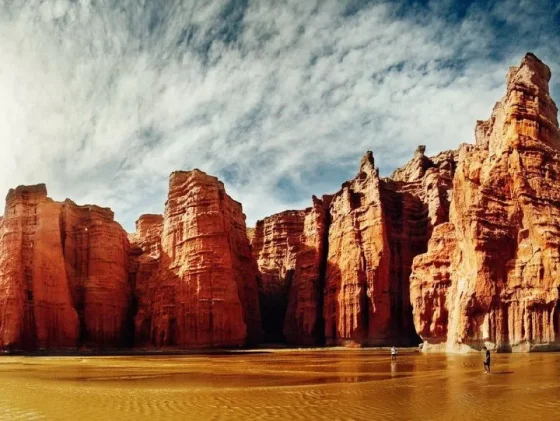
102	100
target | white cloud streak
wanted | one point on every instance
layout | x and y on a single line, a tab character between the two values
102	100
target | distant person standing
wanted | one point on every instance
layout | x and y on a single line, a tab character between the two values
393	354
486	363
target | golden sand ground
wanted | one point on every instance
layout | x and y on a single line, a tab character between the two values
286	385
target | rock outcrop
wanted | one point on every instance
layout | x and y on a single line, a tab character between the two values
462	249
71	278
357	307
276	241
96	252
196	285
376	228
144	264
491	274
35	292
63	271
304	323
345	262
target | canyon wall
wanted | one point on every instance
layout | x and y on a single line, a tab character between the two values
144	265
276	241
343	265
195	280
491	274
72	278
303	322
63	271
459	250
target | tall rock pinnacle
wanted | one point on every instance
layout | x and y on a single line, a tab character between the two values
526	114
491	275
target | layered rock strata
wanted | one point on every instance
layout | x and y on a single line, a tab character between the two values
357	307
491	274
276	241
304	322
63	273
345	262
70	277
144	264
461	248
377	226
196	279
96	252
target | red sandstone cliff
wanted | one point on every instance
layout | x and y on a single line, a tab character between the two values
344	264
491	274
63	269
276	241
144	264
461	248
303	323
96	253
376	227
70	277
196	284
357	307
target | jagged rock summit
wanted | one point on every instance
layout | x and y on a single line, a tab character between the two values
491	274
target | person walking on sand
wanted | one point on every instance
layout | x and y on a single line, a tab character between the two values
486	362
393	354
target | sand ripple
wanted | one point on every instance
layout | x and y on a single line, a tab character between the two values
329	385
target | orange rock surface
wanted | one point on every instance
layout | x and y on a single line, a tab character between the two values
462	248
491	274
303	323
345	263
96	252
376	228
357	306
144	264
203	292
276	241
63	270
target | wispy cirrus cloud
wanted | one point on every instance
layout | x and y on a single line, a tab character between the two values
101	100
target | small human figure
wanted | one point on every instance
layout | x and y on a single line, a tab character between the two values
393	354
486	362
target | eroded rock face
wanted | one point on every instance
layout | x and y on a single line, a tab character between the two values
461	248
357	307
345	263
276	241
71	278
304	323
244	268
144	265
376	228
415	202
63	269
432	278
35	303
96	252
491	275
203	292
430	180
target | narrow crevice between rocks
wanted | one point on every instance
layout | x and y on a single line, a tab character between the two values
320	324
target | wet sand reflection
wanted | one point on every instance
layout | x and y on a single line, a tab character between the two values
313	384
